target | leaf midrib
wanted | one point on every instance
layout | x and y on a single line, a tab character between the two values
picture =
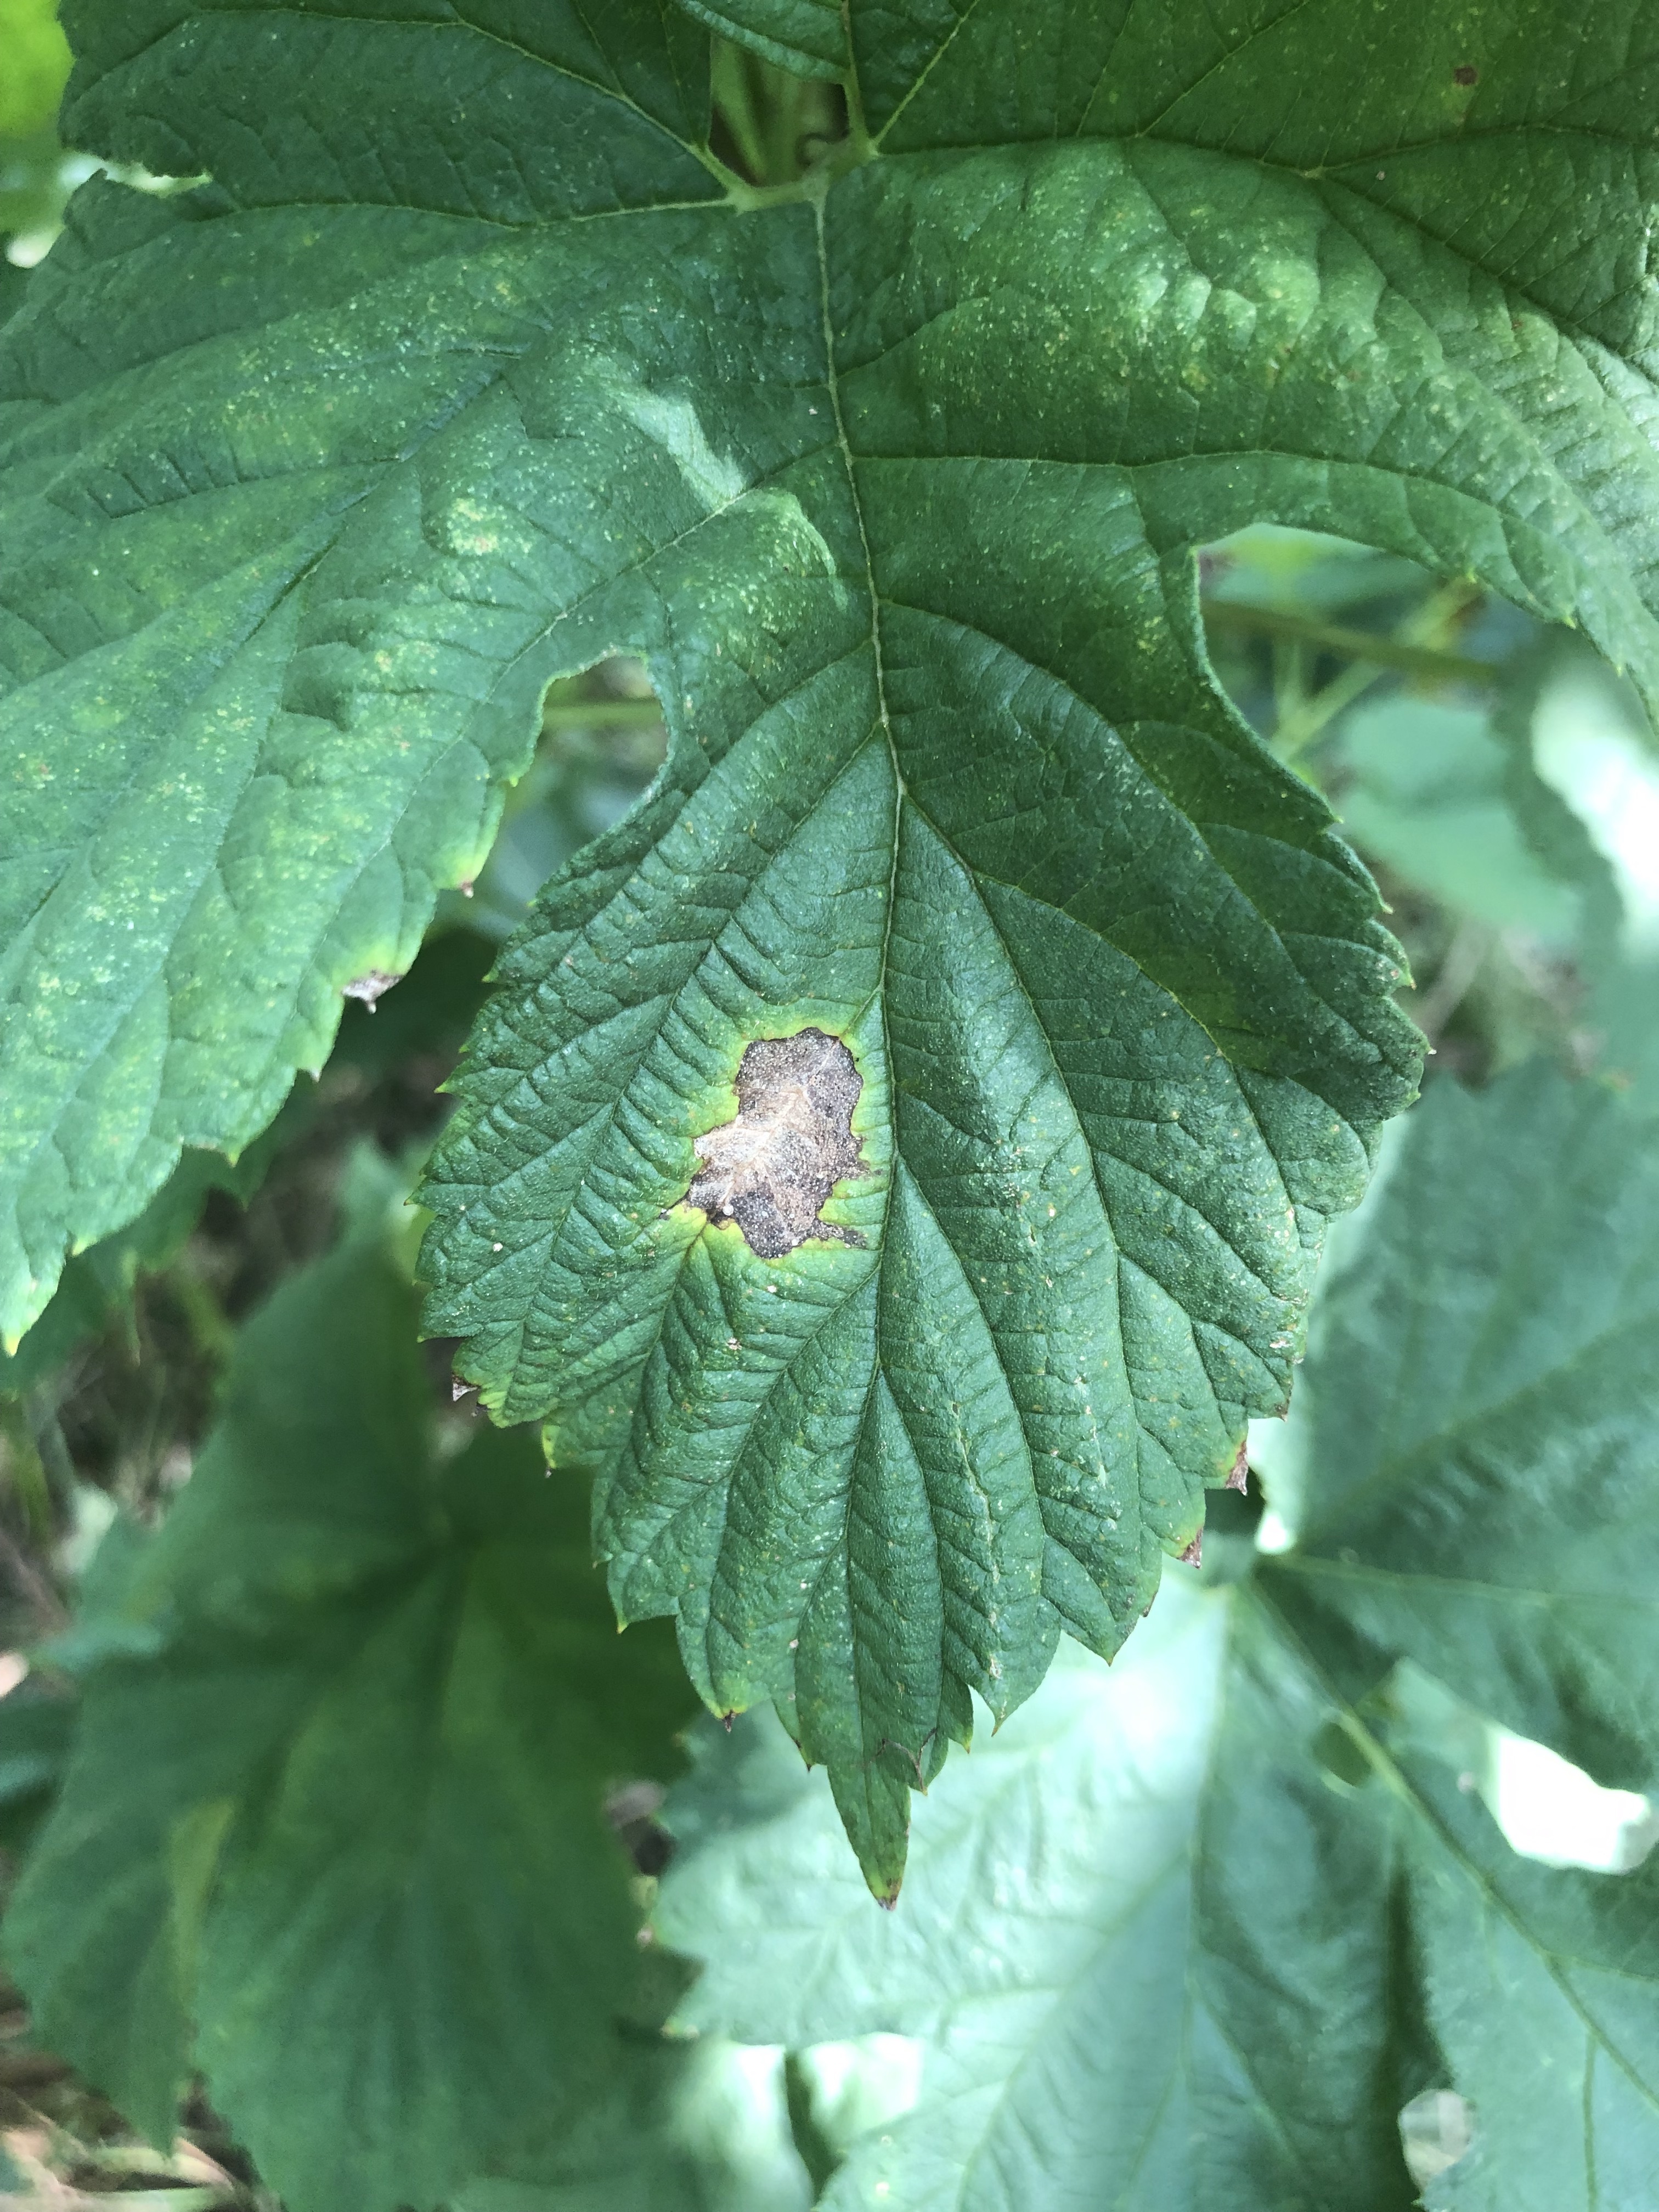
1314	1567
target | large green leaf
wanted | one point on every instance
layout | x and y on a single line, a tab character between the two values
1128	1920
1543	1987
330	1827
1189	1933
1477	1421
468	366
1170	1950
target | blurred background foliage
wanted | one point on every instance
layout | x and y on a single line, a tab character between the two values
1498	779
36	175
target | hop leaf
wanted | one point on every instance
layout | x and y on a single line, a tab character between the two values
1190	1932
892	476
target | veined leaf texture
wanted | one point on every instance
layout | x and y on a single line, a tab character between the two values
465	363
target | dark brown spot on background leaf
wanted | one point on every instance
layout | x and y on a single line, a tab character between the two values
1466	73
772	1168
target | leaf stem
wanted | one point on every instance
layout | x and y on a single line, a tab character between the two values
1464	958
603	714
1355	644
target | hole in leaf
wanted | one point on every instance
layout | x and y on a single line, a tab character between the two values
1551	1810
603	740
1546	1808
1436	2131
1340	1756
770	124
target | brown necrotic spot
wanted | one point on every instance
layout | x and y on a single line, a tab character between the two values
772	1168
1466	73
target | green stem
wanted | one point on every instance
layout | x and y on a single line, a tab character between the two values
1354	644
817	2153
858	130
211	1333
1297	732
734	101
603	714
40	1409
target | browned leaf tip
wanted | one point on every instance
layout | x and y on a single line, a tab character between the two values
1239	1478
1193	1554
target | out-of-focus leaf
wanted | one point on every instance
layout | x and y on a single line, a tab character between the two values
1543	1992
34	66
1128	1919
338	1836
678	2128
37	1724
1455	808
1477	1423
1595	746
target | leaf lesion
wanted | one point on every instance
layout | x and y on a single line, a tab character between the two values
772	1169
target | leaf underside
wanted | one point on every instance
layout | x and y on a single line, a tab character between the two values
1132	1917
483	374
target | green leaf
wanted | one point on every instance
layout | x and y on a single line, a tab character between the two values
682	2129
1190	1934
1451	802
1128	1920
237	768
1173	1940
1543	1987
806	36
892	478
1476	1421
1516	137
37	1724
331	1828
